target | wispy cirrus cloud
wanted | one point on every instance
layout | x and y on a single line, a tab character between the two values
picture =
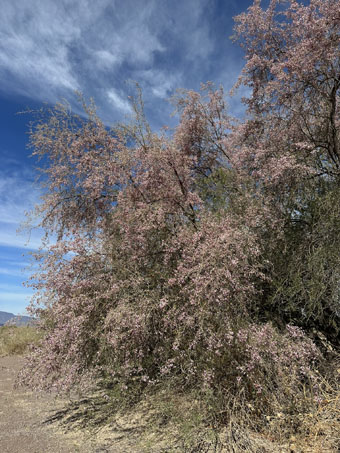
10	237
118	101
18	195
49	49
34	52
13	272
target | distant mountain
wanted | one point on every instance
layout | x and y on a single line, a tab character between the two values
10	319
20	321
4	317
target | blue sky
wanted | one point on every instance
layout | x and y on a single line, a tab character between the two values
49	49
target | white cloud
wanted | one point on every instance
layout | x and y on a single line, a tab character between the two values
10	288
192	27
44	45
34	39
17	195
9	296
48	49
13	272
161	84
118	102
106	59
10	238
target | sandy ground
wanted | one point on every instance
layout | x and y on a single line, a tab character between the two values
26	427
32	423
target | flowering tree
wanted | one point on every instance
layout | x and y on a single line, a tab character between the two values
291	145
174	254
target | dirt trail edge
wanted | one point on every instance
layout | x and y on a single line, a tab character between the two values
23	416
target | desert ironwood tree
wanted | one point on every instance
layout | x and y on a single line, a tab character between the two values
196	256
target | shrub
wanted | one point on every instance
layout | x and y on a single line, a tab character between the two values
194	257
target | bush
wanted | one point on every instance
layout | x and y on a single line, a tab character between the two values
195	257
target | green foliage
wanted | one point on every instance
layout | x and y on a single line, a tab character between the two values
218	189
306	264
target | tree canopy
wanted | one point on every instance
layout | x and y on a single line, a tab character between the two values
208	254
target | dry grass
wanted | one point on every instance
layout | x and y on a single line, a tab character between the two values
16	340
168	420
174	422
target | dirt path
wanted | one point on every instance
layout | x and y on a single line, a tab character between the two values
22	416
24	426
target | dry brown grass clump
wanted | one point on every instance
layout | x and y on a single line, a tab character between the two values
16	340
170	421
